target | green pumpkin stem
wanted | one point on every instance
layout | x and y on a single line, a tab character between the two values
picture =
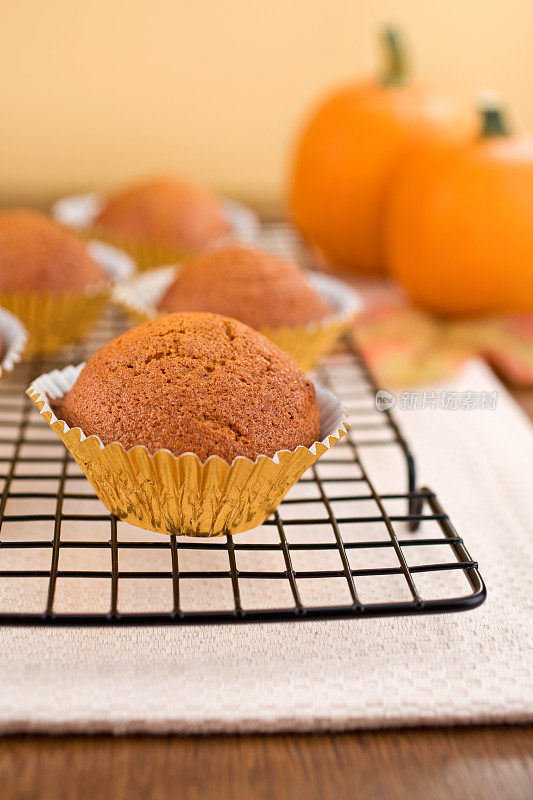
395	72
492	121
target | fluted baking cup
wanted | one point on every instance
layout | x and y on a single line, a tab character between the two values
80	212
13	337
118	264
56	320
307	344
180	494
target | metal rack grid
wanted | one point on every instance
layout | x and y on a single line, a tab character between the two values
64	560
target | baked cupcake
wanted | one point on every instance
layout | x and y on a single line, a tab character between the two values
38	255
166	211
192	423
304	313
157	221
260	289
50	279
197	383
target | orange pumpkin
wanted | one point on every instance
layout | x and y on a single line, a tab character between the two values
348	151
460	224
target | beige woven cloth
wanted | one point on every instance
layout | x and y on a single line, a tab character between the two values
459	668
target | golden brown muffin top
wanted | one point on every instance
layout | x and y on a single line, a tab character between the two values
259	289
39	255
164	211
196	383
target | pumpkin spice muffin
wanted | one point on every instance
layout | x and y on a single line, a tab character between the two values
259	289
194	382
49	279
191	424
39	255
164	211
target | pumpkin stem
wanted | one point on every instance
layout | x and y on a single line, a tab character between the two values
395	72
492	121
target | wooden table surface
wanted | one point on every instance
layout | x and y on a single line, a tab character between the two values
465	764
492	763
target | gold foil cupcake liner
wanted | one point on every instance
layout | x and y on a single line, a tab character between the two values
53	321
307	344
13	338
80	211
146	255
180	494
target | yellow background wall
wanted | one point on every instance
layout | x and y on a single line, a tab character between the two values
93	93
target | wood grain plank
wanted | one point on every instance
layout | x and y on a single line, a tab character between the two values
445	764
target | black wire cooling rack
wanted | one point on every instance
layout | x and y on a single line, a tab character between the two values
341	545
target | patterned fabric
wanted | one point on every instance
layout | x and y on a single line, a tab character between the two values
407	347
473	667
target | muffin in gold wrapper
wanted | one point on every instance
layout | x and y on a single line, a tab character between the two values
54	320
80	211
179	494
306	344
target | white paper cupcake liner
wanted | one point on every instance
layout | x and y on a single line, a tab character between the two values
118	264
13	338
